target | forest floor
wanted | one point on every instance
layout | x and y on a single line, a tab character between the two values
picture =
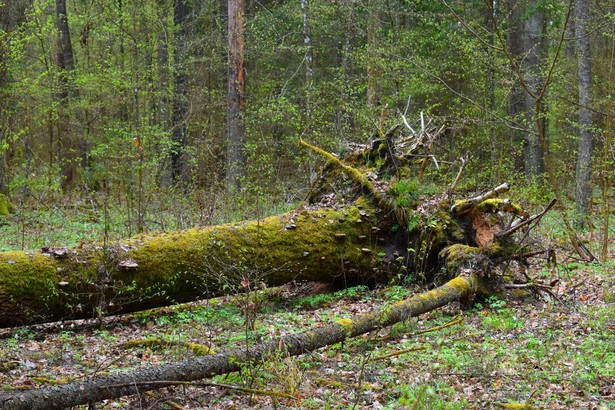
549	352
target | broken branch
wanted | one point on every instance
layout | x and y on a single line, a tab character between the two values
462	207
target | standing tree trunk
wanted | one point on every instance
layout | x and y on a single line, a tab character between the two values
308	59
180	95
373	68
534	49
517	94
5	22
490	15
236	95
70	146
583	189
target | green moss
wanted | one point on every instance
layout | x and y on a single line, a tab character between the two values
195	263
459	205
6	207
29	279
347	324
494	205
268	247
462	285
457	255
382	148
490	205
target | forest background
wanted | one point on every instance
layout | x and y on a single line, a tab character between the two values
121	117
169	114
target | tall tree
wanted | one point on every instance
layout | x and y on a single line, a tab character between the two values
374	71
5	28
180	95
308	59
516	100
535	52
583	187
66	68
236	94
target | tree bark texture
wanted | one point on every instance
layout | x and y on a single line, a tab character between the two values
122	384
72	146
374	72
180	95
583	189
66	60
309	57
516	103
5	27
236	94
149	271
534	45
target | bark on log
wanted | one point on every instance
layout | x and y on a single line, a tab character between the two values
135	382
364	229
150	271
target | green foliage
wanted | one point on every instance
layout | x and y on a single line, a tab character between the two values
126	59
405	192
427	396
324	299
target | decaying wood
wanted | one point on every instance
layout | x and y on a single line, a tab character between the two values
462	167
164	269
122	384
465	206
355	233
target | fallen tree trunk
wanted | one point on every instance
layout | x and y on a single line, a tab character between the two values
122	384
156	270
361	225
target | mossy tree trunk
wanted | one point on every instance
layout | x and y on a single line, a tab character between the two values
150	271
361	230
122	384
356	229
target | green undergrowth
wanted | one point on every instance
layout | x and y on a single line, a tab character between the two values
549	354
323	300
407	193
36	224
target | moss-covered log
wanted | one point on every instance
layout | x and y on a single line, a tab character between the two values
149	271
116	385
361	226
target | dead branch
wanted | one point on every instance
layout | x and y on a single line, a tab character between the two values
462	207
451	189
521	224
150	378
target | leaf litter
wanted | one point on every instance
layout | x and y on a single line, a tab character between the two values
551	354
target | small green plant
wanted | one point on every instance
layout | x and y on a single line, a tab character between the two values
425	397
496	303
396	293
353	292
405	192
314	301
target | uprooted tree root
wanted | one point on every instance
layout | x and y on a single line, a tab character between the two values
357	225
